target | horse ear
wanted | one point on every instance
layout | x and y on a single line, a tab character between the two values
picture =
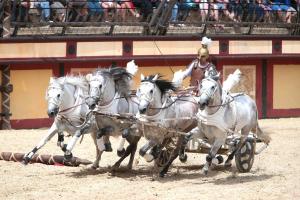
155	77
142	77
88	77
51	80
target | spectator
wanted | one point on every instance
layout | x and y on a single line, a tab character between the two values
203	6
95	9
221	6
21	12
266	6
284	5
236	10
107	5
128	5
255	11
58	11
145	7
78	10
44	7
181	9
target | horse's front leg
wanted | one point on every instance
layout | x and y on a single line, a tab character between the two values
121	149
99	144
60	141
68	153
212	154
104	133
53	129
131	149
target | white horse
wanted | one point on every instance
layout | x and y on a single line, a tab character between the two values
156	105
221	114
66	102
110	93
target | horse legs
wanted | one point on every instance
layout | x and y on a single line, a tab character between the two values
98	152
68	153
131	149
60	141
46	138
121	150
212	154
104	132
143	151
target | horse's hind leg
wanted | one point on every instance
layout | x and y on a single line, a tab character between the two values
133	150
262	135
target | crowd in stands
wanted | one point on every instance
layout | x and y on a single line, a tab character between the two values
141	10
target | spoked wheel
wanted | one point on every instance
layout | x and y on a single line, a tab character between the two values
165	154
163	158
244	158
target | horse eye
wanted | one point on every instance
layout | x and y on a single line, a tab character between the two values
213	87
58	95
151	91
100	86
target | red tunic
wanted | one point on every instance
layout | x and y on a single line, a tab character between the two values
198	73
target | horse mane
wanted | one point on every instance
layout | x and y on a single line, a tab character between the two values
121	77
78	81
162	84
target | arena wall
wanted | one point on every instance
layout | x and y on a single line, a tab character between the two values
271	67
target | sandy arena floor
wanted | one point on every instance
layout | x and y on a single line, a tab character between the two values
275	173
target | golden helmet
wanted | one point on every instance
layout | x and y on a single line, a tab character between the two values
203	52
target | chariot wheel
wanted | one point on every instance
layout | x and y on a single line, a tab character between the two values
244	158
163	158
166	152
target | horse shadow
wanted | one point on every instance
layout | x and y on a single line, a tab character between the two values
122	172
178	173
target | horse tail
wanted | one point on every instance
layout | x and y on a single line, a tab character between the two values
264	136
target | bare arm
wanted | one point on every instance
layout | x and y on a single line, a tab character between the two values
189	69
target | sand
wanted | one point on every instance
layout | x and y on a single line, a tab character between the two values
274	175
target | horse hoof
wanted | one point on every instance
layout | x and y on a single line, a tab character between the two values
25	160
149	157
121	153
220	159
227	164
183	158
204	172
161	174
108	147
94	167
68	157
64	148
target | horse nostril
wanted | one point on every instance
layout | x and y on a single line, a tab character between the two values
92	106
51	114
143	110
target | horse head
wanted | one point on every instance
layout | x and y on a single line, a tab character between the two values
210	93
211	72
151	91
54	96
97	84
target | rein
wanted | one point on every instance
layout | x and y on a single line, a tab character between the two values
67	109
224	104
168	106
